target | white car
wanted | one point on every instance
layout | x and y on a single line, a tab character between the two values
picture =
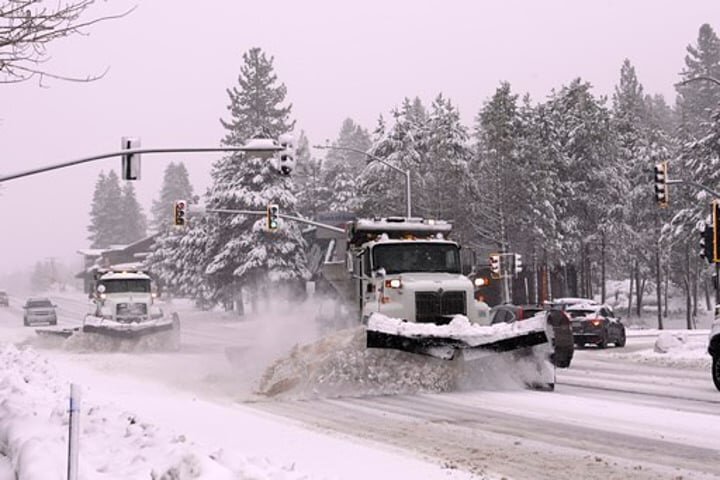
714	347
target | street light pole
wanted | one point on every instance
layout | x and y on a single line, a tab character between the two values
378	159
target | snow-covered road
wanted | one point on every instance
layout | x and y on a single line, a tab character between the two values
616	413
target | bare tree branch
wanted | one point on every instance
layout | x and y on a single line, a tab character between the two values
27	27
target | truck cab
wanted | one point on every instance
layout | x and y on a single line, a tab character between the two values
407	269
125	297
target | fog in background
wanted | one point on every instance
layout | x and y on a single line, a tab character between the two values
170	63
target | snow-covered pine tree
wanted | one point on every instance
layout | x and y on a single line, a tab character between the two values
383	191
107	218
165	260
242	253
444	172
135	223
498	173
175	186
578	148
641	143
311	191
697	100
342	168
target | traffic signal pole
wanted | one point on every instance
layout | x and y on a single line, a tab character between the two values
203	210
122	153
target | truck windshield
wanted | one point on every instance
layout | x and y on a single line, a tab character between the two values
120	286
417	257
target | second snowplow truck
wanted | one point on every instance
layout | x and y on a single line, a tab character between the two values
403	277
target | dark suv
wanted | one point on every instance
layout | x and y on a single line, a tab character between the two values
561	332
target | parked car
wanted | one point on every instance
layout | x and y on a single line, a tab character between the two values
39	310
4	300
561	332
596	324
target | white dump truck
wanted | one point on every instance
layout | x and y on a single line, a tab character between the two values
404	278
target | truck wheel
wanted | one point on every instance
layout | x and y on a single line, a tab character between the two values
716	370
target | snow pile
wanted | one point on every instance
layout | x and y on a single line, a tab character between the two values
673	349
668	341
340	364
113	443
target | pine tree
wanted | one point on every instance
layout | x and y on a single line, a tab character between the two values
241	253
342	168
697	100
312	194
256	103
176	186
383	191
107	218
497	136
444	172
134	222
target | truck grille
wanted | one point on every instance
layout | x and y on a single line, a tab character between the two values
439	308
131	312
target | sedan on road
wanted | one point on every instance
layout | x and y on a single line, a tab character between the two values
39	310
596	324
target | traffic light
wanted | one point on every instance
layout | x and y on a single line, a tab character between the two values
180	213
706	243
495	265
661	186
518	263
286	156
272	217
130	166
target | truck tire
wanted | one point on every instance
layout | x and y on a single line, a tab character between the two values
716	370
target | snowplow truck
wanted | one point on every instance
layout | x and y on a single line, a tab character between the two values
124	307
403	277
123	315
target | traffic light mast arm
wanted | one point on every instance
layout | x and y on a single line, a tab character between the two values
281	215
696	185
121	153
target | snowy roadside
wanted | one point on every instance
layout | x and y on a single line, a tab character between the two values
671	348
115	443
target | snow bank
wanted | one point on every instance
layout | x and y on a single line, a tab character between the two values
674	349
114	443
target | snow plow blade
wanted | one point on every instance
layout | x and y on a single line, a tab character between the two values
128	333
57	332
445	341
446	347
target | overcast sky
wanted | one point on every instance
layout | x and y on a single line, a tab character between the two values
171	61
